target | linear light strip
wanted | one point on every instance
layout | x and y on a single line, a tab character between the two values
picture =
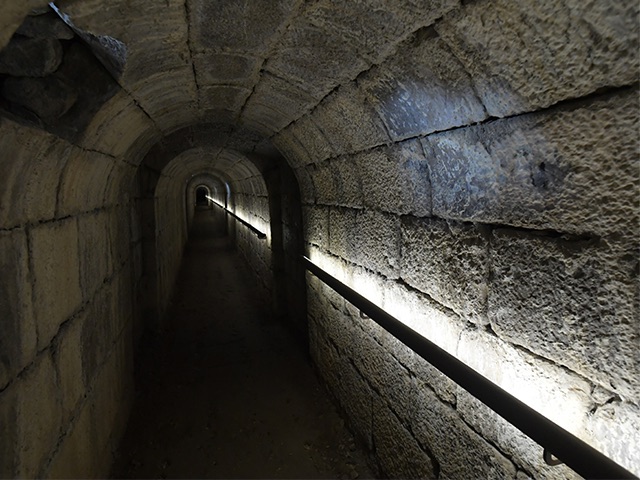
580	456
258	233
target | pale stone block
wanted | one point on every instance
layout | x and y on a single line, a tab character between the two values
573	301
449	262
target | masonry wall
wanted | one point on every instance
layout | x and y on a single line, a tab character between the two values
488	197
66	305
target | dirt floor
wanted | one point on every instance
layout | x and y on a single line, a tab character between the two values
226	392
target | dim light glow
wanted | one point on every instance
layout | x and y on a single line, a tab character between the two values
561	396
256	224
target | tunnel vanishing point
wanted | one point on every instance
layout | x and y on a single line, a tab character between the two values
470	166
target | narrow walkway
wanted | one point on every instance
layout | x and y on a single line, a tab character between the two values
227	393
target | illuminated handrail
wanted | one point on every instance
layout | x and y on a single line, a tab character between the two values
258	233
556	441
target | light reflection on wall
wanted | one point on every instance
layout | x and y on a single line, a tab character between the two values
256	222
560	395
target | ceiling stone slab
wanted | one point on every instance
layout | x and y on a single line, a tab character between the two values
226	69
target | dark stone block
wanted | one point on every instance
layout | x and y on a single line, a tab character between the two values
48	98
48	25
31	57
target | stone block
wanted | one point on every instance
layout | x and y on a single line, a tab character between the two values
56	288
119	231
316	225
223	97
292	150
48	25
68	355
97	334
9	429
374	28
573	169
96	263
438	428
406	188
76	457
615	429
31	57
569	49
226	69
48	98
387	377
376	238
519	447
314	57
449	262
245	26
573	301
17	327
312	138
397	452
39	417
342	229
349	121
424	90
90	169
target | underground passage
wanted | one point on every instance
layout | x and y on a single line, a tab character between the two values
320	239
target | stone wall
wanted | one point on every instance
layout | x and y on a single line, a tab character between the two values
66	306
485	191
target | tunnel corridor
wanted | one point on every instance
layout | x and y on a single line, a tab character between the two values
469	168
226	391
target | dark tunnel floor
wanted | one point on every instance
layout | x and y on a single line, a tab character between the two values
226	391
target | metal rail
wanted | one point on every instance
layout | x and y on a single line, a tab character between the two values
258	233
556	441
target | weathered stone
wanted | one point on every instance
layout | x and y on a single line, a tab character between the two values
95	253
39	417
399	454
538	296
374	28
406	189
17	327
77	454
377	242
56	290
423	91
435	422
9	429
31	57
571	170
316	225
13	13
47	25
311	138
237	26
68	362
615	429
226	69
223	97
342	225
524	55
448	262
335	117
48	98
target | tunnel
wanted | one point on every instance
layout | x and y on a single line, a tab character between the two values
468	168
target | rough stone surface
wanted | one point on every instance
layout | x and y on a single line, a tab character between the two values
38	416
448	262
31	57
571	49
436	421
47	25
538	295
423	91
48	98
406	189
95	253
67	358
17	327
399	454
56	288
572	170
